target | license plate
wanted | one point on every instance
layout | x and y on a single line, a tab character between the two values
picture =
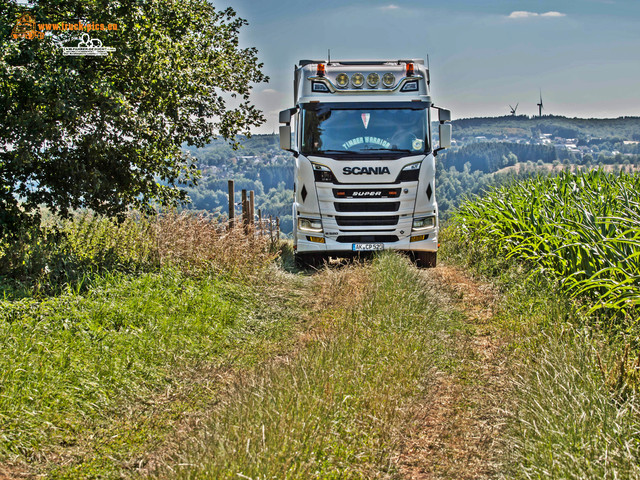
367	247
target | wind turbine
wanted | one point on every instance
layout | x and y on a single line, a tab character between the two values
513	109
540	106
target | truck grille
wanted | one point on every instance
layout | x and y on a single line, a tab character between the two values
376	221
366	193
366	238
367	207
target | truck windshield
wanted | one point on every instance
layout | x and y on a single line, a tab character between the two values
372	128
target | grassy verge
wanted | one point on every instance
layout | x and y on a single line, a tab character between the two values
339	407
116	336
574	413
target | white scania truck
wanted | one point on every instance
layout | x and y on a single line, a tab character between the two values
360	132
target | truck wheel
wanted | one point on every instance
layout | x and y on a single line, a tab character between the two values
425	259
308	260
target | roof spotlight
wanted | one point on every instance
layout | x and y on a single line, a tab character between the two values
388	80
357	80
342	80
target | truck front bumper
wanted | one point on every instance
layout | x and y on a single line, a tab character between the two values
344	245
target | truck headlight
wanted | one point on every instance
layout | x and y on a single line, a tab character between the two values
309	224
423	223
410	173
322	173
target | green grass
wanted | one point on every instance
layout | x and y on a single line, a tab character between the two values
339	407
567	423
81	362
210	358
48	259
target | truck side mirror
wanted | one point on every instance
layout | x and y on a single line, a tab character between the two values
444	115
285	116
285	130
285	137
445	135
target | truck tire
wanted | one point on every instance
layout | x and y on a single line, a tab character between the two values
308	260
425	259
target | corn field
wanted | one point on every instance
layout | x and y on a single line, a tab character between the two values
581	230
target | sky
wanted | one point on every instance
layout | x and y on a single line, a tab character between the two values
583	55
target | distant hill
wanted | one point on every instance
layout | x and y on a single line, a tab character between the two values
622	128
491	143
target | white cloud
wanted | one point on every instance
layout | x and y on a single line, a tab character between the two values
269	91
390	7
524	14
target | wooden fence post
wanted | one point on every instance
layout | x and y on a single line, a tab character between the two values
252	198
260	222
232	205
245	207
278	229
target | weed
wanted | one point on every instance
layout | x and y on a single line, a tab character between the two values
574	413
69	253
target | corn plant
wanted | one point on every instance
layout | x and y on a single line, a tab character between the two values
582	230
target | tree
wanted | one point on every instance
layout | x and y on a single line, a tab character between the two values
106	132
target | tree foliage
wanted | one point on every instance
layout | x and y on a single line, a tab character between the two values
106	132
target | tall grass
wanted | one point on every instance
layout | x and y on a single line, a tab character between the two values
564	250
573	413
567	424
582	230
68	253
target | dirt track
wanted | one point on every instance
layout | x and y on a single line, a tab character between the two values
456	429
